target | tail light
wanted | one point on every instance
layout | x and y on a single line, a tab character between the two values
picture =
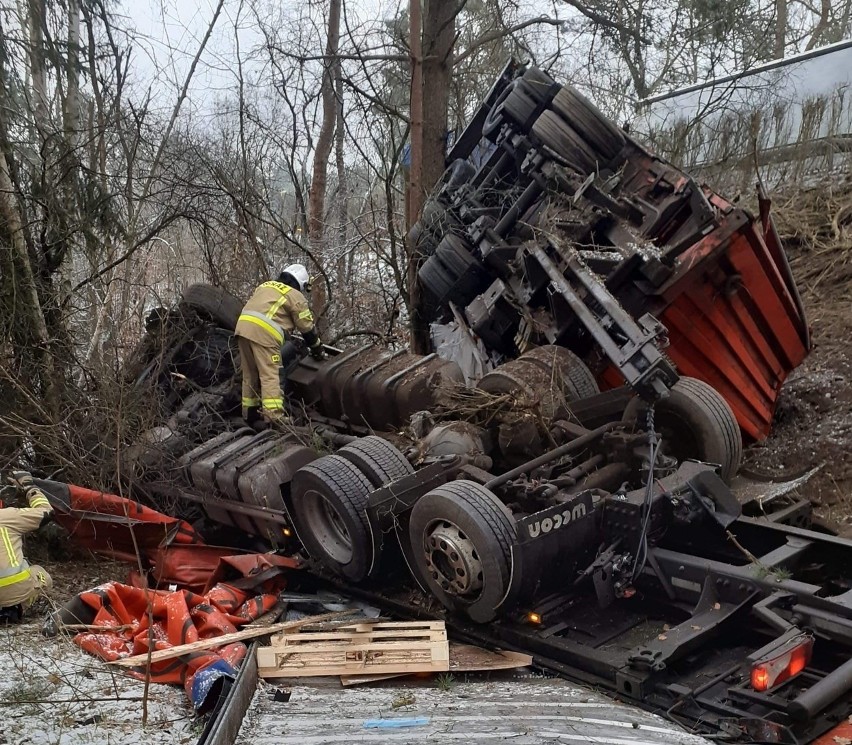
783	663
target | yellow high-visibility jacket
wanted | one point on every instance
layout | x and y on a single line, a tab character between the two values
271	314
15	522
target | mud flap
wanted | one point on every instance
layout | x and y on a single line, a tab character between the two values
558	536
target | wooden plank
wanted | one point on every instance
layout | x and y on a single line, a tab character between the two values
294	640
249	632
384	626
404	647
464	658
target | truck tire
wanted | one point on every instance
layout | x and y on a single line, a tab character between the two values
559	137
434	223
695	422
452	273
215	302
552	376
577	378
461	542
539	85
329	498
458	173
377	459
514	107
585	119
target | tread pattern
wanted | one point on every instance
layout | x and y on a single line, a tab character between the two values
723	415
346	480
377	459
557	134
715	411
219	304
574	371
591	125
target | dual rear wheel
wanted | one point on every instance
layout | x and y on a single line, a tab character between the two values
460	534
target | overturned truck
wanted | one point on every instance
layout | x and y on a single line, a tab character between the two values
599	530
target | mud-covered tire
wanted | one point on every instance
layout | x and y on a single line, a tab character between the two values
577	378
559	137
695	422
218	304
487	530
377	459
329	498
585	119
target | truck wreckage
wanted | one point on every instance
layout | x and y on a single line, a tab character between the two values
599	531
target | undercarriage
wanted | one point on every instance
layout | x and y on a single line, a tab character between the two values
580	502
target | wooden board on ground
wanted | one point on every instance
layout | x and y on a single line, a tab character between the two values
249	632
464	658
406	647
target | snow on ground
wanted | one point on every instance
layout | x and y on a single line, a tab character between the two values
54	693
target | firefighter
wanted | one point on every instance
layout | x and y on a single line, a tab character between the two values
273	312
20	583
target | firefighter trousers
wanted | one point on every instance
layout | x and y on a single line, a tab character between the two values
27	590
261	382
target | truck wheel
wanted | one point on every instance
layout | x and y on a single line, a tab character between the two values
329	498
577	380
584	118
434	223
695	422
452	273
377	459
461	541
513	106
553	376
539	85
215	302
458	173
566	144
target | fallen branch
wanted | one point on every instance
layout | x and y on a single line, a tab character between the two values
249	632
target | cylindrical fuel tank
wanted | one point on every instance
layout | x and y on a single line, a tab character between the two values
371	387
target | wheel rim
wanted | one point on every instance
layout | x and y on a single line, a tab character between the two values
328	526
451	559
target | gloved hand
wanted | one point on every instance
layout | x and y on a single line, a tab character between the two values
22	479
317	351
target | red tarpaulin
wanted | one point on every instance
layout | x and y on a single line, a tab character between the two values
241	589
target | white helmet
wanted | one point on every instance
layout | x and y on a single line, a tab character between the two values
296	276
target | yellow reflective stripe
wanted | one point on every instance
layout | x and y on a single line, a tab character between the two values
251	402
276	306
268	327
273	403
306	315
12	579
39	501
280	286
10	551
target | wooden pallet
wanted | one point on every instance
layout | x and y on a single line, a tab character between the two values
357	649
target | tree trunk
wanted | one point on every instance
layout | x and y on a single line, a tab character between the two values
429	116
439	33
29	301
414	193
319	178
414	196
342	182
780	28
